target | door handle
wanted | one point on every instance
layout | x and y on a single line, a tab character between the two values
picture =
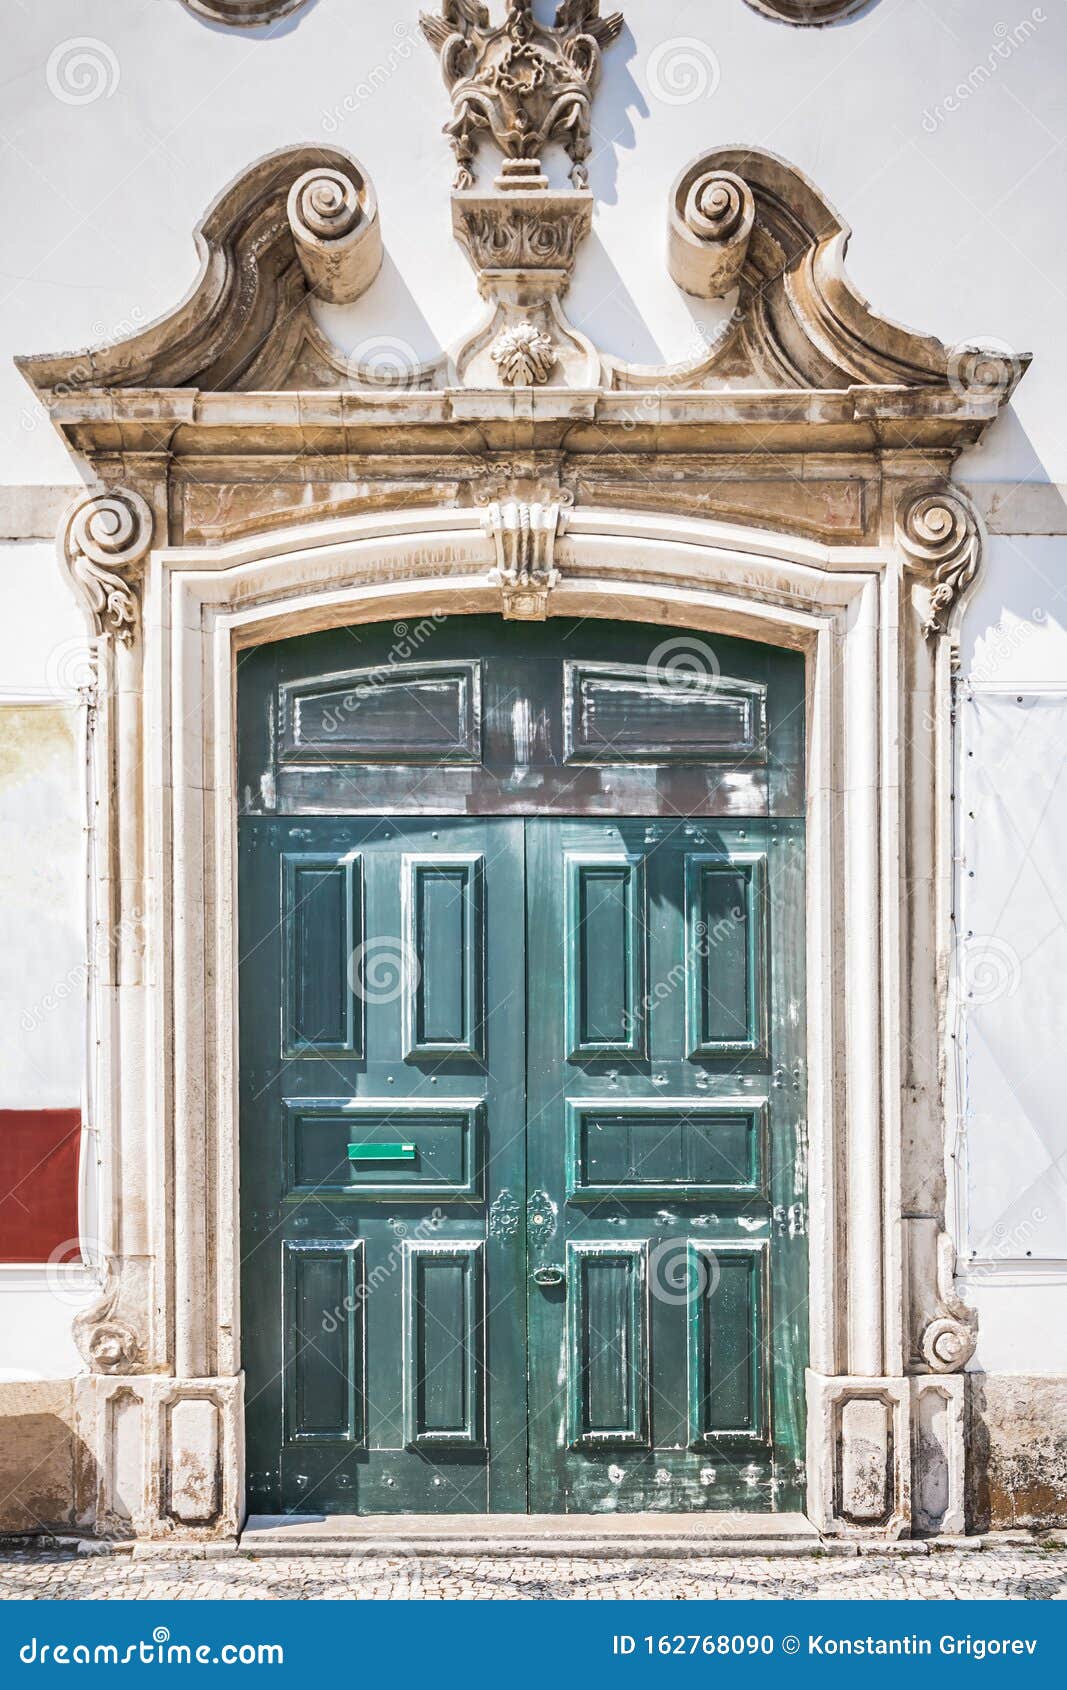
381	1153
549	1275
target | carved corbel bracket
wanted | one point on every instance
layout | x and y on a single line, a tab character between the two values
524	537
948	1341
709	226
106	1340
939	531
522	241
333	215
104	537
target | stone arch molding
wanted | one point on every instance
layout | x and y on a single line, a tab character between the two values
245	486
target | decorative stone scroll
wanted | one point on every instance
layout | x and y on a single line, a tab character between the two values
817	12
948	1341
709	225
524	83
105	535
939	531
524	536
243	14
334	218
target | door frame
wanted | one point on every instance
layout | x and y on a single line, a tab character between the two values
164	1341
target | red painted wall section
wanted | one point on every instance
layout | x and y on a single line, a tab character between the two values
38	1183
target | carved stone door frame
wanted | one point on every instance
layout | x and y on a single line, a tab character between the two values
160	1417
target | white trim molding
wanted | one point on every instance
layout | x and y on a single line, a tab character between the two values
164	1341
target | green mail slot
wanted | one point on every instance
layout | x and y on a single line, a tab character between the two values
381	1153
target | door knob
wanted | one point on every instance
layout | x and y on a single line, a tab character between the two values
549	1275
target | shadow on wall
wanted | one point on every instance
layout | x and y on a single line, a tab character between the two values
224	16
1016	1452
47	1477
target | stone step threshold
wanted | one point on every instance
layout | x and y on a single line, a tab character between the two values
601	1535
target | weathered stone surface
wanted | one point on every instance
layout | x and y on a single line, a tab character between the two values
36	1455
1017	1443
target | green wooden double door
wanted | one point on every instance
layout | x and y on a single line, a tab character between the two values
522	1163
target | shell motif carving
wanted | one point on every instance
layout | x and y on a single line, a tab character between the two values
107	534
938	530
524	355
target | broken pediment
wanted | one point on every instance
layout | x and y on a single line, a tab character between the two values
801	356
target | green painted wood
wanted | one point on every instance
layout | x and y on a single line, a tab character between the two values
684	1161
374	1360
585	1287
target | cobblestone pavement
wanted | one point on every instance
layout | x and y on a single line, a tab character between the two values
1021	1573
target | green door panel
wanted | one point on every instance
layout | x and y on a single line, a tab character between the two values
522	1084
383	1115
672	1083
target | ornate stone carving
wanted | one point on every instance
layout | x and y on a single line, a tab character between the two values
524	83
334	218
524	536
524	354
499	233
815	12
948	1341
521	240
798	325
107	1342
709	225
243	14
105	535
939	531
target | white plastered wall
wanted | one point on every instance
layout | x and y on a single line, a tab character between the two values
953	197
